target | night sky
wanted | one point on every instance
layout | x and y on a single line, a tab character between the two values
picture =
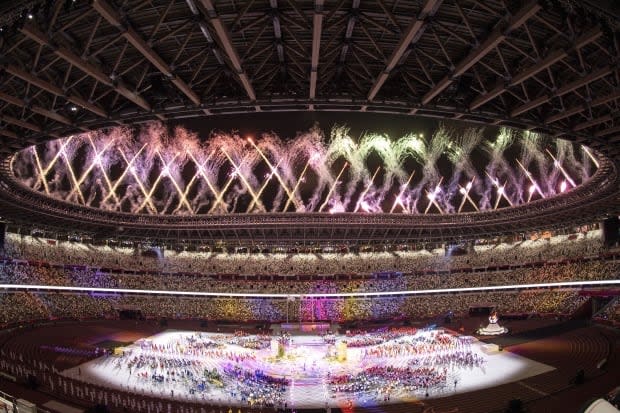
288	124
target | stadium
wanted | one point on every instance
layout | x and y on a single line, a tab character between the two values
309	206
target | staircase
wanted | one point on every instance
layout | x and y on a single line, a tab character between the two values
603	303
584	311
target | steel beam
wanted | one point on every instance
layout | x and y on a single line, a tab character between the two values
277	32
114	18
89	68
352	19
530	105
21	123
592	122
317	30
580	108
576	84
411	35
548	61
202	24
570	87
8	134
609	131
36	109
229	48
495	38
553	57
482	99
56	90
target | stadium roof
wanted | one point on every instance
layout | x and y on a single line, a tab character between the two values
549	66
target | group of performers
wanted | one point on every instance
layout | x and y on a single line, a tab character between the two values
239	367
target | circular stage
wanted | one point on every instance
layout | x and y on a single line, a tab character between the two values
305	367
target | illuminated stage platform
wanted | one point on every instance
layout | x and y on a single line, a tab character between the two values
307	370
304	328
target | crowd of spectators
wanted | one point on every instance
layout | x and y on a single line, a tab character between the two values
22	306
33	261
37	274
327	263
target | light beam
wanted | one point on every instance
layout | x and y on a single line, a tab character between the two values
245	181
361	199
288	192
299	180
331	190
531	179
262	188
398	199
559	166
128	169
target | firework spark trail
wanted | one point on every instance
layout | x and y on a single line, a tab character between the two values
559	166
392	169
239	173
429	153
50	164
219	199
163	173
320	166
531	152
565	155
117	170
342	145
311	148
432	197
465	192
169	172
299	180
74	182
589	153
139	182
275	171
501	190
498	165
41	171
361	198
128	168
272	147
533	183
63	149
459	153
262	188
403	188
202	172
103	171
94	162
331	190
